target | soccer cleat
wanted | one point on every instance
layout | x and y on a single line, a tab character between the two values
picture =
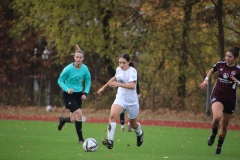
211	139
61	123
218	150
122	129
140	140
81	141
107	143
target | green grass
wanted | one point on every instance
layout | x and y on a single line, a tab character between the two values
29	140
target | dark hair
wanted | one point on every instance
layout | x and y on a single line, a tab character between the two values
127	57
234	51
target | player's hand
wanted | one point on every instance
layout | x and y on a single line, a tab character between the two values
139	95
84	97
204	84
113	84
70	91
234	79
100	91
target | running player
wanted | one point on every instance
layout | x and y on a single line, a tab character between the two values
126	99
223	96
71	81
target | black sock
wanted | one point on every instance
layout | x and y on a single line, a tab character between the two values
67	120
78	126
122	120
214	129
220	141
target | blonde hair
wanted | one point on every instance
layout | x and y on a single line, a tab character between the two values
77	50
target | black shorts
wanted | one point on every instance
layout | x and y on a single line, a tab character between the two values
227	107
72	101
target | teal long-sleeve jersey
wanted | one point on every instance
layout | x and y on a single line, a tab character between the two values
73	78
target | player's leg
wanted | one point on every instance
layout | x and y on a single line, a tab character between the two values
217	111
122	120
132	115
223	131
116	110
78	124
63	120
138	130
67	102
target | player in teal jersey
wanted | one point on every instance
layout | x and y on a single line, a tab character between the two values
71	81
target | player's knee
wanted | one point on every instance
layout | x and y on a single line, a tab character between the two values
225	126
113	118
134	126
217	119
72	119
79	118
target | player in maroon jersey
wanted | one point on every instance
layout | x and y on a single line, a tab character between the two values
223	96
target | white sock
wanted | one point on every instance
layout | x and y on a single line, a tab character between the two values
138	130
122	126
111	130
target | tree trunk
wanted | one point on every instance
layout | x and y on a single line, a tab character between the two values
220	29
181	89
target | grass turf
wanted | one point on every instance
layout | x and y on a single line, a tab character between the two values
42	141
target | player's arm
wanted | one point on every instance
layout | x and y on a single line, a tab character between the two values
62	78
113	79
130	85
235	79
132	81
205	81
87	82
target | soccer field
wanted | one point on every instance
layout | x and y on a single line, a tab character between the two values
28	140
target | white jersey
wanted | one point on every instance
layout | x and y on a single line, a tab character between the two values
129	96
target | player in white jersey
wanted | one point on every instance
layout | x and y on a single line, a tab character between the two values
122	115
126	100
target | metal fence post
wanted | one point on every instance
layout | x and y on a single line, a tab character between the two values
208	104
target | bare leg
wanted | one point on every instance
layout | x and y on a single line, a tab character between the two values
223	131
116	110
217	110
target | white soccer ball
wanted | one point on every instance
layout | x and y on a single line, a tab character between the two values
90	145
49	108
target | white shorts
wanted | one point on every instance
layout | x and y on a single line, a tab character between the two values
131	110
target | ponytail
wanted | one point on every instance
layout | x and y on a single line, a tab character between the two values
131	64
234	51
237	48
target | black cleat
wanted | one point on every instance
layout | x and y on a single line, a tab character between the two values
218	150
61	123
211	139
107	143
140	139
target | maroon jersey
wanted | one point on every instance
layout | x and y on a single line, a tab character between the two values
224	88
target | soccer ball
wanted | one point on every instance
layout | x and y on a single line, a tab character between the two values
49	108
90	145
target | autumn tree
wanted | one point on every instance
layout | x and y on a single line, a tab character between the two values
172	43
